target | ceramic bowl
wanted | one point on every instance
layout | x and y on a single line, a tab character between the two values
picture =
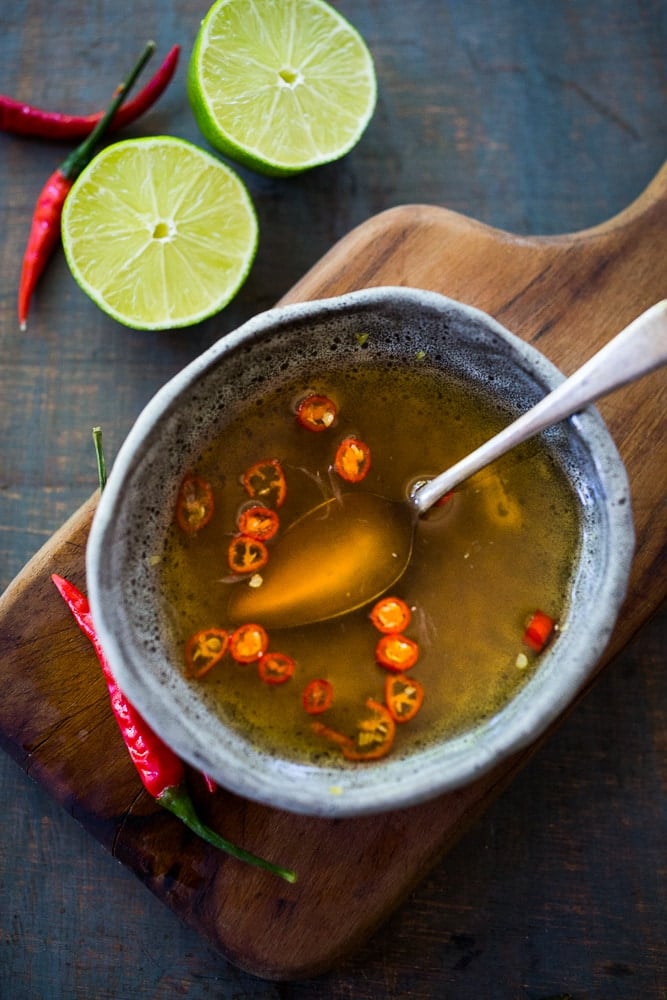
131	521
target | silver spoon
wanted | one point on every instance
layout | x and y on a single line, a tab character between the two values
351	549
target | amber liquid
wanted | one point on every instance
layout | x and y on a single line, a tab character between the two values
504	545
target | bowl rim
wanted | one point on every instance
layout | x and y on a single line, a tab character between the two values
398	781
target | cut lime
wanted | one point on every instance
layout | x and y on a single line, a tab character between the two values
280	85
159	233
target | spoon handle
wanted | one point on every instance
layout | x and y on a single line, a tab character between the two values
637	350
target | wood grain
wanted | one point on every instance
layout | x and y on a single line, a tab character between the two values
567	295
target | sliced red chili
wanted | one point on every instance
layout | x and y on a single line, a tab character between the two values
373	739
352	460
194	504
258	522
204	649
317	696
374	736
538	630
333	735
247	555
248	642
444	499
276	668
265	481
316	413
396	652
390	614
403	696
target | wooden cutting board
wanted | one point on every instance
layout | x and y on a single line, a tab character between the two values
567	295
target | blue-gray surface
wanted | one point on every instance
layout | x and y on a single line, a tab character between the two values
533	117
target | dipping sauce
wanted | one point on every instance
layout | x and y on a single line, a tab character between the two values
503	545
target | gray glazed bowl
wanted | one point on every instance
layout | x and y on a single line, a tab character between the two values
137	635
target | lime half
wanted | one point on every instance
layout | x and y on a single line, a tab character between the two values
280	85
159	233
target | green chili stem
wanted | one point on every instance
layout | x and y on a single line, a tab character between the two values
72	166
99	455
178	802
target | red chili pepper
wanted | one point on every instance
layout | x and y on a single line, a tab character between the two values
404	697
160	770
317	696
194	504
375	734
204	649
374	737
396	652
247	555
265	481
340	739
45	228
538	631
390	614
316	413
258	522
275	668
352	460
248	643
24	119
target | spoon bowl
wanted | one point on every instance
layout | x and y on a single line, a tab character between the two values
329	562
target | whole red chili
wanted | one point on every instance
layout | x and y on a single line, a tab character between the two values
45	228
160	770
24	119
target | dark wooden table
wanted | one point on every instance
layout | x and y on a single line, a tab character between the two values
535	118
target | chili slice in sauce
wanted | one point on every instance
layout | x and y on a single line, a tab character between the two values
352	460
403	696
247	555
396	652
390	614
204	649
538	630
317	696
333	735
373	739
248	642
316	413
276	668
265	481
258	522
375	734
194	504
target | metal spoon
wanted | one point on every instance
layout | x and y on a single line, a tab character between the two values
351	549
